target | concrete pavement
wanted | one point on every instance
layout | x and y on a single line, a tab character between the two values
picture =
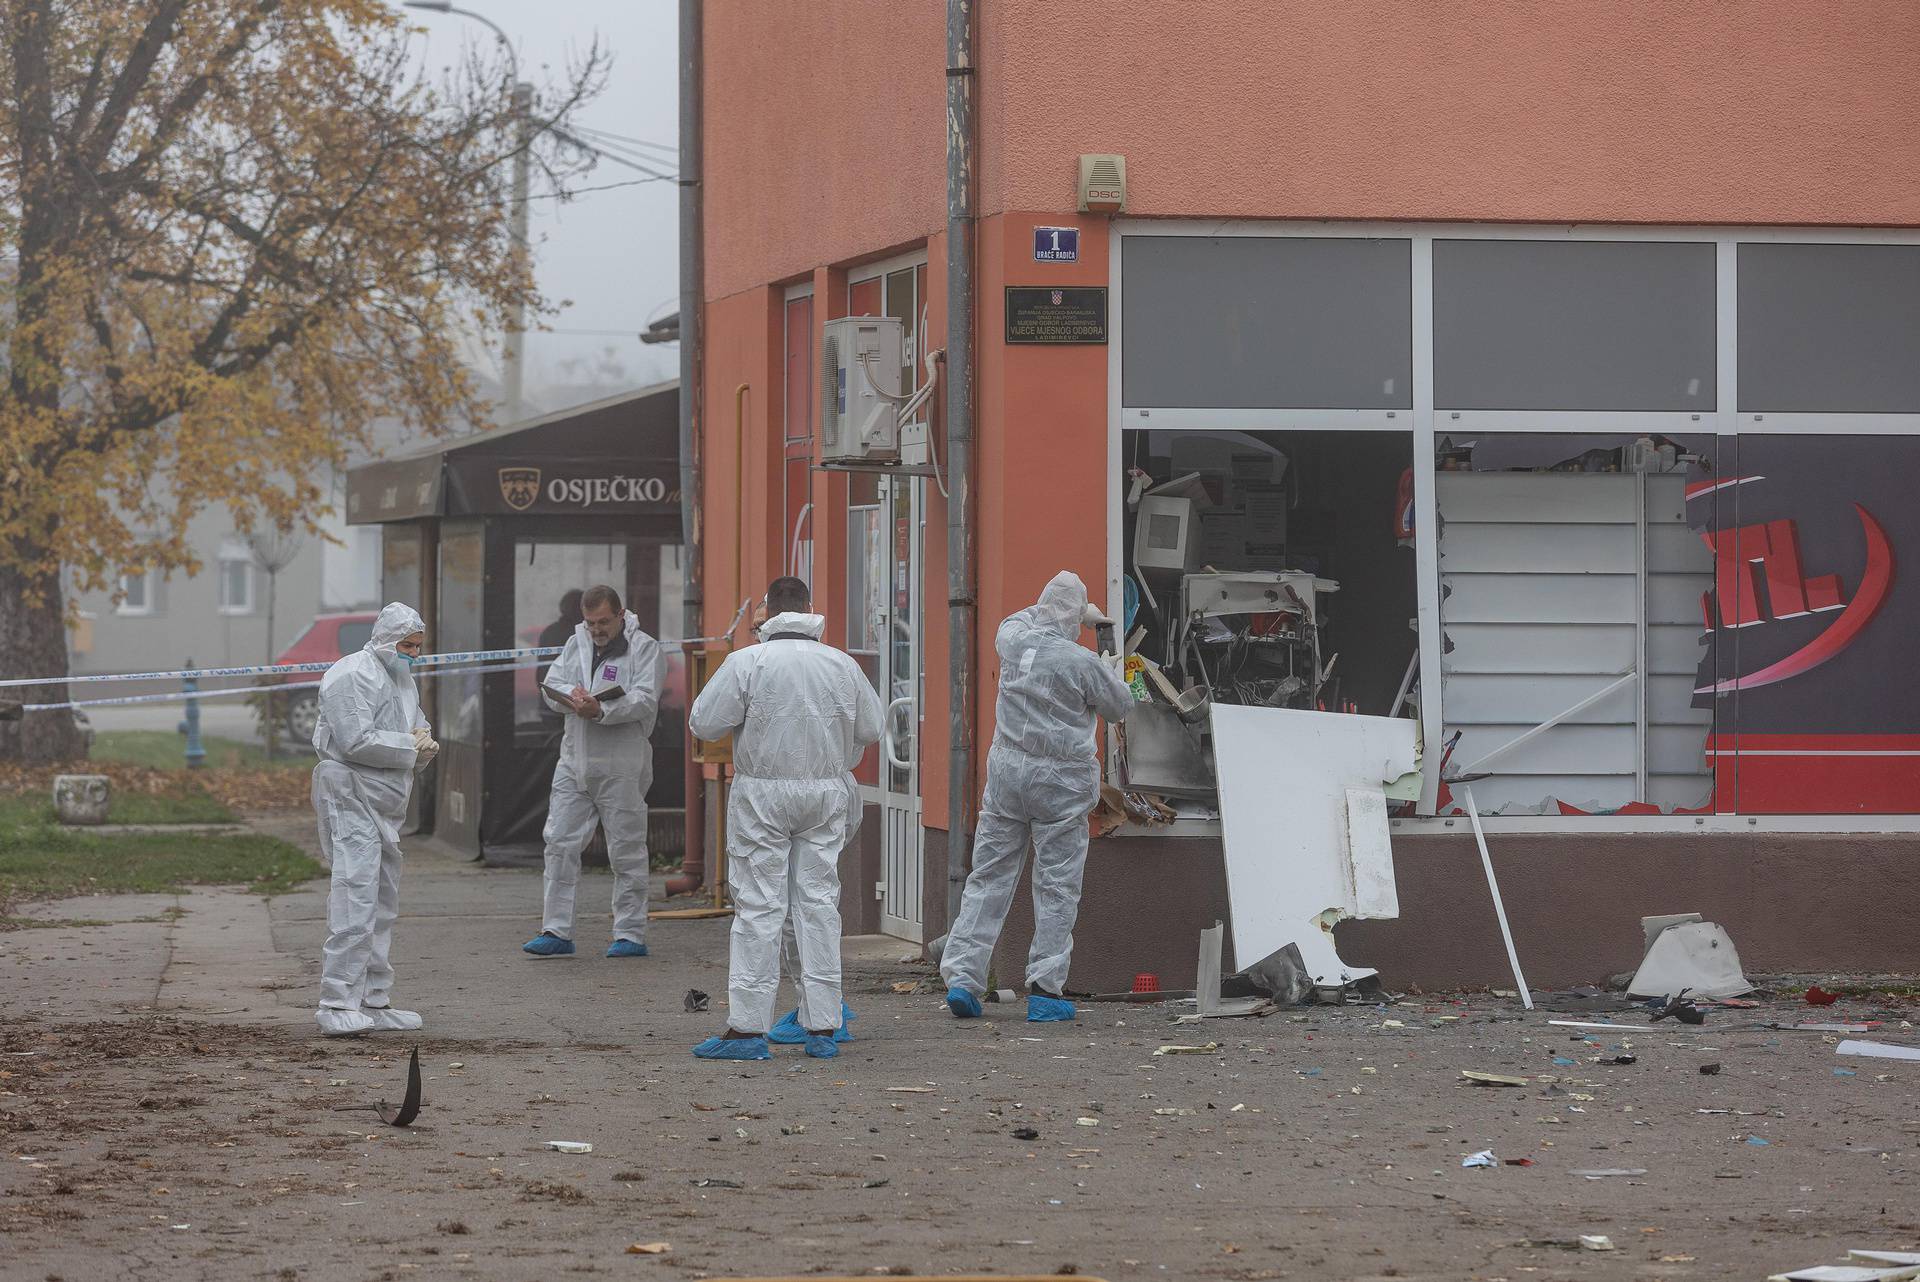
172	1114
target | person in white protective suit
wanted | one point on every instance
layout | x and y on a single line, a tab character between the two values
371	741
801	713
605	768
1043	780
787	1030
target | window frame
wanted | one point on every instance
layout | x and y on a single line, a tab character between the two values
149	603
230	557
1429	422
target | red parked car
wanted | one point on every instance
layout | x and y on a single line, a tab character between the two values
327	638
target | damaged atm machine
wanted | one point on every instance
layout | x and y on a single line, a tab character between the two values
1271	649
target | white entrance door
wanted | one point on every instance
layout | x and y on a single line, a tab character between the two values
901	513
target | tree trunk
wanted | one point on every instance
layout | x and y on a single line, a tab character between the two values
33	643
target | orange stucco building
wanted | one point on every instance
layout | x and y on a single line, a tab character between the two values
1439	190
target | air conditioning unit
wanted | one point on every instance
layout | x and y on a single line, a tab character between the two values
860	391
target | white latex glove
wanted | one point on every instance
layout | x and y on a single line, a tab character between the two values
424	748
1091	616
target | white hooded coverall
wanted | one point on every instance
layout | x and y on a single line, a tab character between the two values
801	714
1043	780
369	710
604	771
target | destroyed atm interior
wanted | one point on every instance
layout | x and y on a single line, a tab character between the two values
1267	569
1277	569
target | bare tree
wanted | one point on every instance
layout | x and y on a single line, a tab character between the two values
239	231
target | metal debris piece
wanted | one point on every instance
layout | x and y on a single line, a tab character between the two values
410	1106
696	1001
1679	1008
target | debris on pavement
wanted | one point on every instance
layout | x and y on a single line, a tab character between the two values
1610	1172
1709	1070
1595	1242
1677	1007
1685	953
648	1248
1026	1133
712	1183
1208	996
696	1001
1208	1049
1878	1050
1521	987
1494	1079
570	1146
1484	1157
1818	996
1863	1266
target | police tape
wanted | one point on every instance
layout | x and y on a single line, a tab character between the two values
179	696
428	661
265	669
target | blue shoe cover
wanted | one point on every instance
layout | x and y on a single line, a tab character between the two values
627	948
733	1048
545	945
786	1031
821	1047
1048	1010
963	1004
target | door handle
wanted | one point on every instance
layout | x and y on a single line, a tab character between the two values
893	757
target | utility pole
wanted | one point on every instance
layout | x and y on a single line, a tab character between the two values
962	603
514	353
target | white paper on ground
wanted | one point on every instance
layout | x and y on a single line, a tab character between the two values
1698	956
1878	1050
1295	862
1847	1273
1885	1257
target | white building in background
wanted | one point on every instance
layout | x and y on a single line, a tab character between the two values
219	617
